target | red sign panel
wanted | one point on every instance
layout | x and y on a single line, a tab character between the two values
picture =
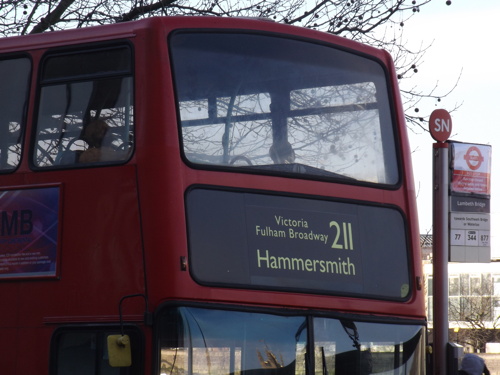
471	168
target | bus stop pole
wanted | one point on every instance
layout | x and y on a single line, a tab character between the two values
440	240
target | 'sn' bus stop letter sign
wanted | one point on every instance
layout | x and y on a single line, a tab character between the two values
440	125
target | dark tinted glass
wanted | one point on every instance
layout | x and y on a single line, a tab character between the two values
99	62
84	351
14	86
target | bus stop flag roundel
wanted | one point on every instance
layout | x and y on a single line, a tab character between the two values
440	125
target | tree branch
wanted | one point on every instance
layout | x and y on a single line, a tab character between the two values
136	12
52	18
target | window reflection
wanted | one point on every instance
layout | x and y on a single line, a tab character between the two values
200	341
86	112
347	347
278	105
203	341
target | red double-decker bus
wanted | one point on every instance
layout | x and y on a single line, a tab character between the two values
205	196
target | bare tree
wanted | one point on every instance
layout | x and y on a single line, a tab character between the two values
481	326
375	22
474	310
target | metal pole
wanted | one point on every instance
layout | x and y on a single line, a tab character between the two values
440	256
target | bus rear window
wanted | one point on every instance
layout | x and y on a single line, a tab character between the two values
274	105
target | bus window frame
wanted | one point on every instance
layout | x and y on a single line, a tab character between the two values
24	119
391	111
41	83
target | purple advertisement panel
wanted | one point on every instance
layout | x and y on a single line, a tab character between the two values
29	221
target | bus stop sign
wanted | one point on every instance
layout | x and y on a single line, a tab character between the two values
440	125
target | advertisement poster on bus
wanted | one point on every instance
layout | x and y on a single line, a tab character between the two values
29	220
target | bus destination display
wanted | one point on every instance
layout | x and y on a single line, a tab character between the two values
275	242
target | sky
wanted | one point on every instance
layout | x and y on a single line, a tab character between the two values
463	37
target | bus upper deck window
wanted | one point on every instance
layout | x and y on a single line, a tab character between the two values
85	114
269	104
14	78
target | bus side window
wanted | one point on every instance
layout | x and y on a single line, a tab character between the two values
84	351
85	114
14	87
